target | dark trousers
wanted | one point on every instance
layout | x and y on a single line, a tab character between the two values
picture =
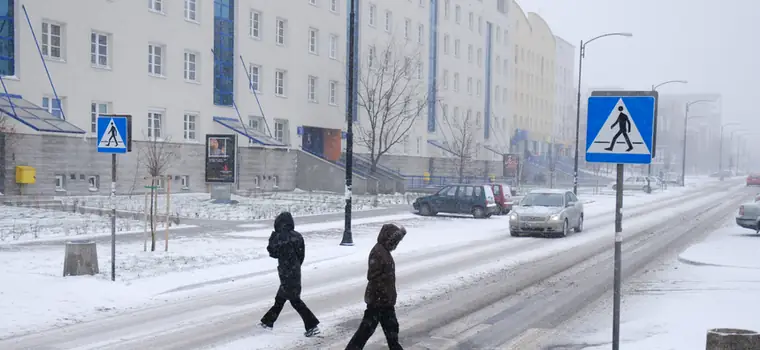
292	294
386	317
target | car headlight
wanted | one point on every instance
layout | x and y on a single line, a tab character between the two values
555	217
513	217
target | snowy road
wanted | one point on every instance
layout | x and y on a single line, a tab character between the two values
224	316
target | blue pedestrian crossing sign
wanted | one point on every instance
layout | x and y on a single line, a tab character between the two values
113	134
620	129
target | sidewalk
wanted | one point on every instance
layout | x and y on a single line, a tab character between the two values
712	284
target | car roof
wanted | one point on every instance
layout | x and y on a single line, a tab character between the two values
464	185
548	191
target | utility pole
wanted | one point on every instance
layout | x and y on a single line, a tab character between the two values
348	239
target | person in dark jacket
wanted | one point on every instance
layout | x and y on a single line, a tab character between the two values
287	246
380	294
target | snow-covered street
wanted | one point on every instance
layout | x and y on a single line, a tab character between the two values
221	283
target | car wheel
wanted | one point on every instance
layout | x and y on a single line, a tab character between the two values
425	210
565	229
579	228
478	212
614	187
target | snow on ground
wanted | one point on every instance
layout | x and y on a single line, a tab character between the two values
255	207
41	297
21	225
713	284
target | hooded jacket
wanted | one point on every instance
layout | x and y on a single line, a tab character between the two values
287	246
381	273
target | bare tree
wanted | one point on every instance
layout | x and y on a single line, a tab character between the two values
157	156
459	139
393	97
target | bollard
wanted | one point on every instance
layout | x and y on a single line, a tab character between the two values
732	339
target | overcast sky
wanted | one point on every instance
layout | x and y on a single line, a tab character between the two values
712	44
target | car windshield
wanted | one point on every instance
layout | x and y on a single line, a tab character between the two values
542	199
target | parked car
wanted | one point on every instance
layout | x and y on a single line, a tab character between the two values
634	183
503	195
477	200
749	215
753	180
548	212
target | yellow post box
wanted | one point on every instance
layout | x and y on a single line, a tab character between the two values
25	174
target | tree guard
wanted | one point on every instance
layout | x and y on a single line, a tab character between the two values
732	339
81	258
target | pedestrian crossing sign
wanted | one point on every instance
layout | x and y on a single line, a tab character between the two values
620	129
113	134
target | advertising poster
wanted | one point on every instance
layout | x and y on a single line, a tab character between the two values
220	158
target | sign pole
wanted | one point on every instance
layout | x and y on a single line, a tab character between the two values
113	217
618	259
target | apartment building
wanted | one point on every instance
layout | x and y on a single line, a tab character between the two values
533	81
565	98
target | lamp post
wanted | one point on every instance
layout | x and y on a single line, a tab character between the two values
685	127
347	235
654	88
720	149
582	54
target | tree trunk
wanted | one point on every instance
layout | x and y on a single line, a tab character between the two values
732	339
461	170
152	216
373	166
81	258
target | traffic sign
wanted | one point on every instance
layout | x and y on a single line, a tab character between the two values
620	129
113	134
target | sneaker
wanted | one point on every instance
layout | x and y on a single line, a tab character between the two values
265	326
311	332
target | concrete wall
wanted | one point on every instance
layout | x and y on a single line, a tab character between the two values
315	173
417	166
76	159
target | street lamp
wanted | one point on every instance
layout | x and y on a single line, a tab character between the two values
654	88
685	127
582	54
720	152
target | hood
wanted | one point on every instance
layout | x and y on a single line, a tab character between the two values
391	235
284	222
537	210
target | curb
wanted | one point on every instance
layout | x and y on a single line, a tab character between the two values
699	263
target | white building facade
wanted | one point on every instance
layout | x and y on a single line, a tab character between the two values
564	97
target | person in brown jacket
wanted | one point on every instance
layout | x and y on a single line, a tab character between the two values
380	295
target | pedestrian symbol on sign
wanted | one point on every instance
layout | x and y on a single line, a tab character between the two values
624	125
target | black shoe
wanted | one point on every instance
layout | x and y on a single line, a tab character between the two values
265	326
311	332
629	149
608	149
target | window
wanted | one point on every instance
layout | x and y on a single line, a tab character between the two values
456	82
189	126
457	48
281	27
52	44
155	59
388	21
480	25
312	89
8	38
469	86
333	46
469	53
191	10
497	93
419	70
406	144
420	33
458	14
156	5
281	130
224	52
446	5
191	64
60	183
254	24
279	82
372	14
497	64
445	79
479	87
184	182
275	182
419	144
99	49
445	44
407	27
371	57
52	105
154	124
93	182
255	71
313	2
96	109
334	5
480	57
471	21
313	41
333	98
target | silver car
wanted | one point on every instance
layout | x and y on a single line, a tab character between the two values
749	215
547	212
